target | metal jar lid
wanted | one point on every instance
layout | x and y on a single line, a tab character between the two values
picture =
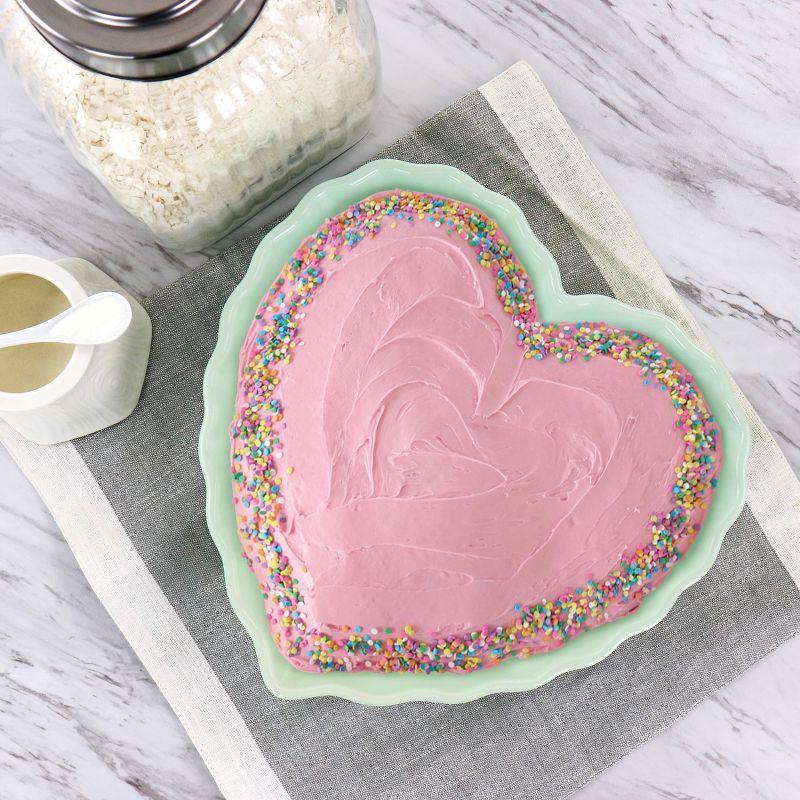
142	40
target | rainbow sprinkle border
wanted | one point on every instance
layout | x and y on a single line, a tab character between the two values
258	428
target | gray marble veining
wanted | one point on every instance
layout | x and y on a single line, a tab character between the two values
690	110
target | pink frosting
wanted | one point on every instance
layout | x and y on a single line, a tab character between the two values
437	478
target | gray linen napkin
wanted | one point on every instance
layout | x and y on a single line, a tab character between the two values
130	501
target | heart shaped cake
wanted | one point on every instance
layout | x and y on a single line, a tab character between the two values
427	476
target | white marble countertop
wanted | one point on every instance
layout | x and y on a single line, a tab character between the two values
690	110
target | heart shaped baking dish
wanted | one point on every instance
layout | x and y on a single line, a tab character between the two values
553	305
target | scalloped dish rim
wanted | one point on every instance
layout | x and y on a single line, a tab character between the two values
554	304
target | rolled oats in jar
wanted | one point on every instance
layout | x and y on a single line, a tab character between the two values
194	116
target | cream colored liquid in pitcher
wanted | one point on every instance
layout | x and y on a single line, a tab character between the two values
27	300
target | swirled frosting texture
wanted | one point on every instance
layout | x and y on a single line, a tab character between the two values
432	481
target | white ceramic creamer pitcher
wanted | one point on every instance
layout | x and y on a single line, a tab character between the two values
54	392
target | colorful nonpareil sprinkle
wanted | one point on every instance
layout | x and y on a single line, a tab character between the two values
259	425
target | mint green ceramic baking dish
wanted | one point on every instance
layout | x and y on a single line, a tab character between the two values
219	391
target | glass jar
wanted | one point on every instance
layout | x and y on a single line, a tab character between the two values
195	126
